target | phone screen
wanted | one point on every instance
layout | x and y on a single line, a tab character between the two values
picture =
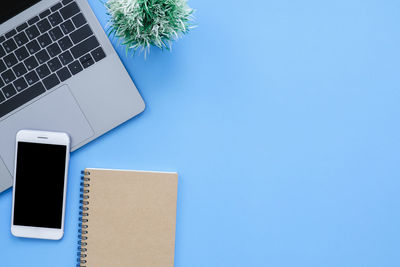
39	185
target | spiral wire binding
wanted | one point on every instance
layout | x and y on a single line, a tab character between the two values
83	214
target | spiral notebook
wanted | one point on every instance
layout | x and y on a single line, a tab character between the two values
127	218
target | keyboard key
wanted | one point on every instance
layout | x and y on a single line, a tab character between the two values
21	38
54	64
55	19
33	20
79	20
1	85
10	45
43	71
66	58
2	97
23	26
42	56
2	66
55	33
43	25
9	91
65	2
51	81
10	33
33	46
53	50
21	53
56	7
69	10
8	76
21	98
44	40
64	74
31	77
65	43
2	52
98	54
84	47
2	39
31	63
20	69
10	60
44	13
67	27
20	84
86	61
32	32
75	67
81	34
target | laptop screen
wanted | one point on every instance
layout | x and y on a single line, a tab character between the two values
10	8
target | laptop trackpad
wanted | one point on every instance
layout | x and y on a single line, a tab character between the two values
57	111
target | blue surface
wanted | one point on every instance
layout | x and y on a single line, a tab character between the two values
282	119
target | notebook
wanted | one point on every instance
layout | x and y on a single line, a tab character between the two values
127	218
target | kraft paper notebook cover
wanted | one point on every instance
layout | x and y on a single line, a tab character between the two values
127	218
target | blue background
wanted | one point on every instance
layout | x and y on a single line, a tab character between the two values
282	119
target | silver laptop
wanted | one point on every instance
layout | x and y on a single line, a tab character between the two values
58	72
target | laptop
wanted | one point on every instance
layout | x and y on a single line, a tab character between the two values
58	72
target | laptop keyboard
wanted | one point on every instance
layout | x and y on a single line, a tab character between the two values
44	51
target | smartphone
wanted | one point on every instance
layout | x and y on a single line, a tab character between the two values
40	184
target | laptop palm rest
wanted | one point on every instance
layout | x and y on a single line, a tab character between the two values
57	111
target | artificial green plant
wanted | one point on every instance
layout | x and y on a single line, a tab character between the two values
144	23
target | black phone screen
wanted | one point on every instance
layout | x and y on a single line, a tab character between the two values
39	185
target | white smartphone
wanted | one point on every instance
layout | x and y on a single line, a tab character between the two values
40	184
